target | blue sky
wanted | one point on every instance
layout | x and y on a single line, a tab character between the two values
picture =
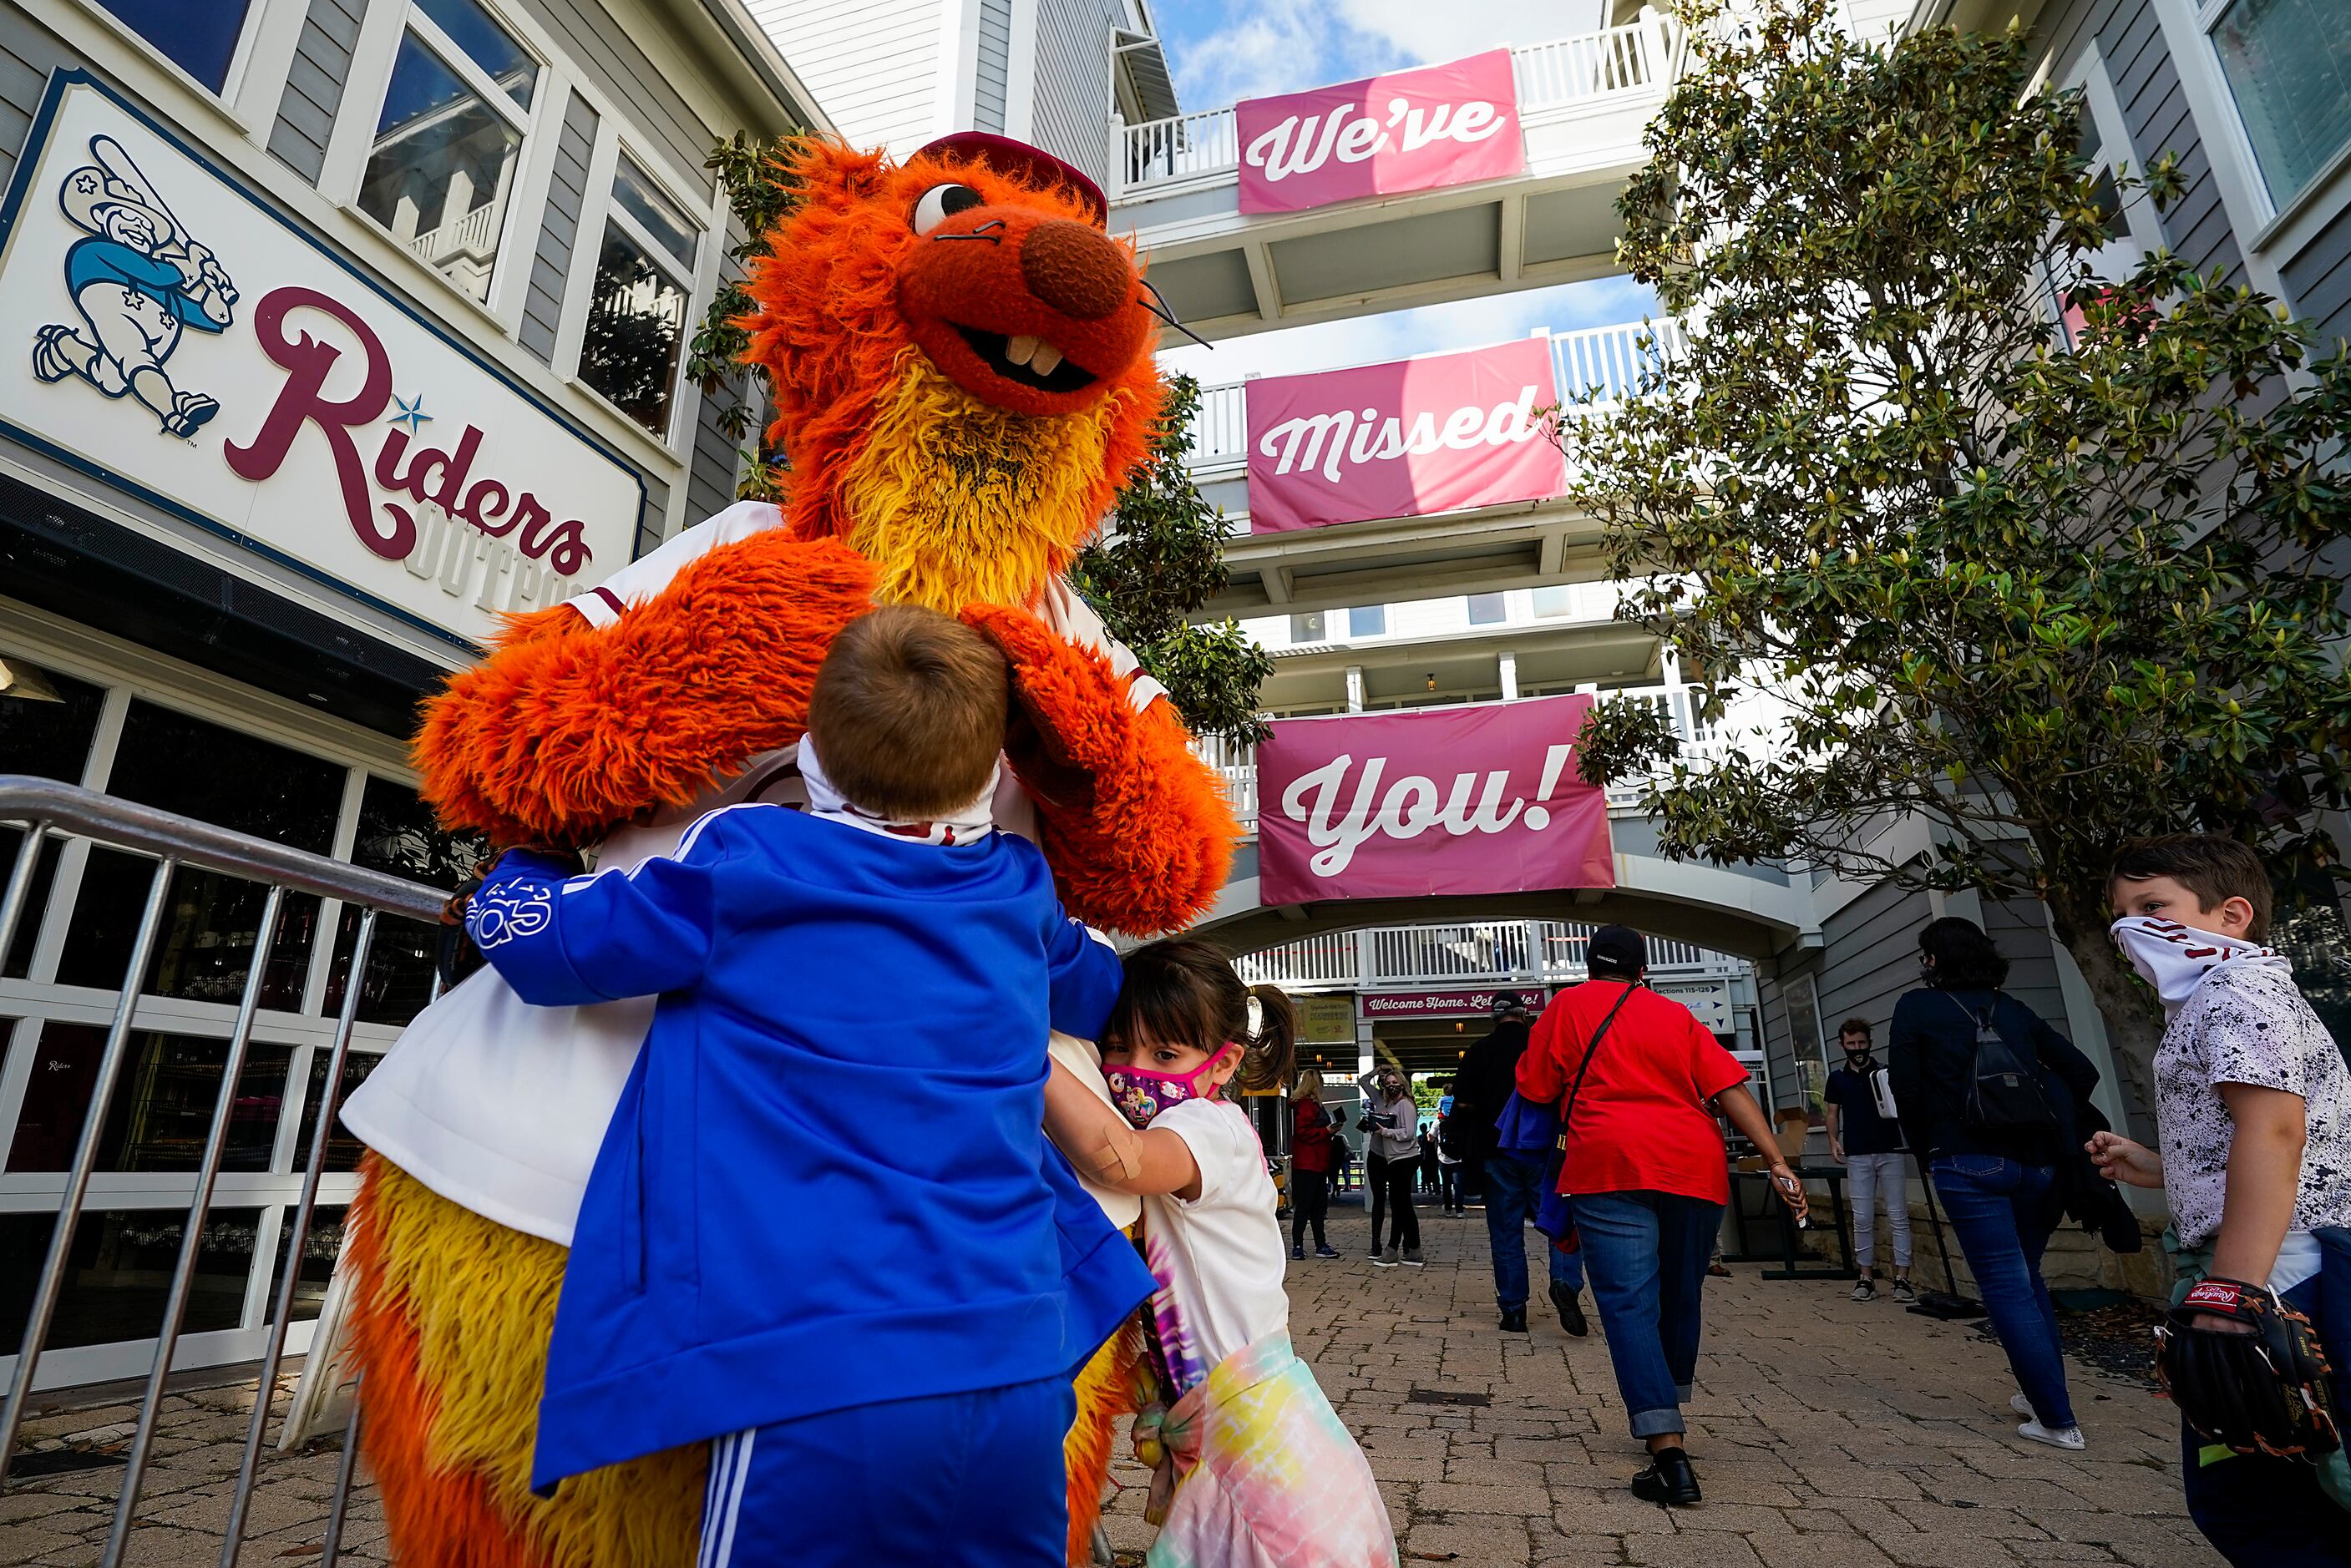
1223	50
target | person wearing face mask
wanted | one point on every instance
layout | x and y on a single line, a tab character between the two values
1869	1146
1251	1466
1391	1155
1994	1143
2254	1117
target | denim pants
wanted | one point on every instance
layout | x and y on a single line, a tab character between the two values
1646	1253
1511	1185
2257	1510
2001	1213
1875	1178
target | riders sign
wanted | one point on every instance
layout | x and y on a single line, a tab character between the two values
178	338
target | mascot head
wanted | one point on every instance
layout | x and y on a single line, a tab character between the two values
962	363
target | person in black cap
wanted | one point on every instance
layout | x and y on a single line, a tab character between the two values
1641	1080
1512	1176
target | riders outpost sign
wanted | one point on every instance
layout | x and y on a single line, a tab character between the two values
1442	801
1406	130
1412	439
176	335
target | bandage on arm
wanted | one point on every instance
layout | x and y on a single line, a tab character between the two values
1109	1152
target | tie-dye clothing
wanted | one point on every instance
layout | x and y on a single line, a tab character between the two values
1267	1476
1218	1258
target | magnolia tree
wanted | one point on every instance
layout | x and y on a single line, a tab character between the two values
2039	559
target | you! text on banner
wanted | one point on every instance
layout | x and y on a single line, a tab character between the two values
1406	130
1418	438
1483	799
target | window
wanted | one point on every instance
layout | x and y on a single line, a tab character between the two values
1305	629
2288	64
1487	609
1367	620
47	723
1555	601
398	835
200	38
448	143
637	312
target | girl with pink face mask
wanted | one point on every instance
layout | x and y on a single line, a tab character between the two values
1252	1468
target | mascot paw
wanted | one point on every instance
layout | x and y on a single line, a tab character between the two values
1072	720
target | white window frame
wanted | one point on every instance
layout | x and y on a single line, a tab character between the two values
370	78
2142	230
249	76
2279	232
597	207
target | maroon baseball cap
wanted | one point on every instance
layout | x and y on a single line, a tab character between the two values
1019	160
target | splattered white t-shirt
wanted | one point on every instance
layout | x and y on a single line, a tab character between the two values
2249	1025
1218	1258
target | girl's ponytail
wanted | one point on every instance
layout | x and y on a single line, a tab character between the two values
1273	1047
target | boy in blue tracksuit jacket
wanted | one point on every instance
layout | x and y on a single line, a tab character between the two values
825	1231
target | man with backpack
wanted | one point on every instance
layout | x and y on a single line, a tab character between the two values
1985	1090
1638	1081
1512	1170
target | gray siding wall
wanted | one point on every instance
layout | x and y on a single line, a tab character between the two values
873	65
314	87
2155	115
995	65
1072	119
542	307
2318	281
710	476
27	54
608	57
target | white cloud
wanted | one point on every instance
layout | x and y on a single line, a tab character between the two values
1426	33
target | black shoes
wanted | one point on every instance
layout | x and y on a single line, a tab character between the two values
1571	1310
1668	1482
1514	1320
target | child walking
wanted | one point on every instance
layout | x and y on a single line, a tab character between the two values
842	1256
2254	1116
1264	1474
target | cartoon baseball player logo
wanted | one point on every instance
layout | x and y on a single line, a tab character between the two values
137	280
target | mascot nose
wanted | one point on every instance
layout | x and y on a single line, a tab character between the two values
1075	268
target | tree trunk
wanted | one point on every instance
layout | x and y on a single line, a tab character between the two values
2134	1022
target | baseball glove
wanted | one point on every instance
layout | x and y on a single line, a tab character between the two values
2265	1391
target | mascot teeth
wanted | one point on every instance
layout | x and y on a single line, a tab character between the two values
1022	350
1045	360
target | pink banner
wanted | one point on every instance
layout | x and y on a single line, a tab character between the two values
1443	1003
1407	130
1418	438
1403	805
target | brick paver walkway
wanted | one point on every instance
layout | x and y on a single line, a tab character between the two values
1827	1435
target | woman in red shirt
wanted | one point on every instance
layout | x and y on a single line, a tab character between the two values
1650	1176
1310	1166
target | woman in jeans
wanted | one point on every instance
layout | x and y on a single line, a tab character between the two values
1995	1183
1310	1166
1391	1156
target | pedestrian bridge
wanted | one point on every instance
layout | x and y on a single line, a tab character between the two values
1749	912
1523	543
1584	102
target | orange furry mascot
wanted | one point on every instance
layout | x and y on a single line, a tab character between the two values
961	362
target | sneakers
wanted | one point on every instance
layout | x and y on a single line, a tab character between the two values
1718	1270
1297	1251
2067	1438
1668	1482
1864	1289
1514	1320
1321	1251
1571	1310
1386	1260
2022	1407
1902	1292
1411	1258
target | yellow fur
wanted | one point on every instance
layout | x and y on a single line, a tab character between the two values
482	1298
950	495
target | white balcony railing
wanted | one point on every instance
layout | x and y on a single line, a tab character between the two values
1203	149
1607	362
1483	952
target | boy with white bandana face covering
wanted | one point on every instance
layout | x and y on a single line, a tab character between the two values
2254	1117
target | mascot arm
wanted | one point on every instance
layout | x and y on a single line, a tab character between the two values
568	730
1136	827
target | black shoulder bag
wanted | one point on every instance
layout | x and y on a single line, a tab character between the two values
1550	1210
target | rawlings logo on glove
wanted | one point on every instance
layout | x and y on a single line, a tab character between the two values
2260	1388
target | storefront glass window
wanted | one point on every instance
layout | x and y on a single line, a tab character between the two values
636	327
445	154
343	1150
321	1244
399	836
2288	67
200	38
161	1108
47	723
119	1270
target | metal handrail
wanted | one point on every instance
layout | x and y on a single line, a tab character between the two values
45	807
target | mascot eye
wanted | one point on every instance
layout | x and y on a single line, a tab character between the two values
941	203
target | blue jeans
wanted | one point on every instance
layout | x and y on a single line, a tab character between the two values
1648	1252
1511	1185
2260	1512
2001	1213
